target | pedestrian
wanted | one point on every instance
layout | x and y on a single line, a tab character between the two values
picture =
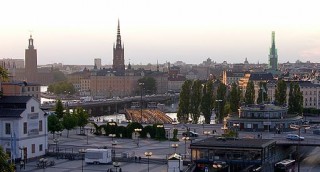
135	159
21	164
139	158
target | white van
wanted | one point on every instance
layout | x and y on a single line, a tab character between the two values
97	156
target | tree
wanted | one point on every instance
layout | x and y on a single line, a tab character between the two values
150	84
64	88
59	109
235	96
5	166
184	102
82	119
250	93
221	101
281	93
4	76
69	122
262	93
195	101
207	101
295	99
54	124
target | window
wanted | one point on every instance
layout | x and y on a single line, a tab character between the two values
32	108
8	128
28	88
40	148
33	148
40	125
25	128
32	88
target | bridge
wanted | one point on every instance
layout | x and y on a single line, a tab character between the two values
111	106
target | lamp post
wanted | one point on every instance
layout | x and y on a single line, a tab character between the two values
112	136
141	84
114	143
116	165
298	127
175	146
236	126
82	152
207	133
56	141
219	100
185	145
148	155
158	133
22	161
138	130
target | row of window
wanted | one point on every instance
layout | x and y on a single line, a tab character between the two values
25	127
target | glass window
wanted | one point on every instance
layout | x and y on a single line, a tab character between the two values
40	148
40	125
32	108
8	128
33	148
25	128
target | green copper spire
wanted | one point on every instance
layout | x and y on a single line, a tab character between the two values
273	56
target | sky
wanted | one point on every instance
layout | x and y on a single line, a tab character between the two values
77	31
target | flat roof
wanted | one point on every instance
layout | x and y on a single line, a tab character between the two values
234	143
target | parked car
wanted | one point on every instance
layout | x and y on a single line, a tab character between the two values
316	131
190	134
294	137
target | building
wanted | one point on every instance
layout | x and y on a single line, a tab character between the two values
214	154
118	54
229	77
31	73
273	55
97	63
265	117
21	89
23	124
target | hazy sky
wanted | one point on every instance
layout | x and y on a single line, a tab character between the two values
77	31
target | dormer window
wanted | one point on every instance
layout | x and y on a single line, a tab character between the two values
32	108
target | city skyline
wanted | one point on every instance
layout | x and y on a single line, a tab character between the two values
76	32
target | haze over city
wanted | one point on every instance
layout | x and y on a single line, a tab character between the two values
77	31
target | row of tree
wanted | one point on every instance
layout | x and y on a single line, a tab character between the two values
64	87
198	98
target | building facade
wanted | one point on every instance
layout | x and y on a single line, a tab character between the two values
21	89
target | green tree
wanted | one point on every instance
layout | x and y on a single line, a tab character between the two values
221	101
59	109
82	119
184	102
250	93
58	76
150	84
5	166
262	93
69	122
207	101
281	93
54	124
297	104
291	99
4	76
64	88
235	97
195	101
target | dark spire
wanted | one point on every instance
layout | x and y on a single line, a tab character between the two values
31	43
118	35
129	65
157	66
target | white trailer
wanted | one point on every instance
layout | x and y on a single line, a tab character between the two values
97	156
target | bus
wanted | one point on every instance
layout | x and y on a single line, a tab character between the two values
287	165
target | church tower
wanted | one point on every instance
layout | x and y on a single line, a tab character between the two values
31	72
273	56
118	54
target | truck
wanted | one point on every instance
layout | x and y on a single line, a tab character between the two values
98	156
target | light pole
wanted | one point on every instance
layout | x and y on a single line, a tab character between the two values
114	143
56	141
141	84
148	155
185	146
298	127
158	133
207	133
138	130
82	152
22	161
175	146
219	100
236	126
112	136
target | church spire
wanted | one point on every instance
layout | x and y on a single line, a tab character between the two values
118	35
30	43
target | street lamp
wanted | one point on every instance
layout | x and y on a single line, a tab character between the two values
298	127
114	143
82	152
138	130
218	107
141	84
236	126
207	133
116	165
22	161
175	146
148	155
158	133
185	145
56	141
112	136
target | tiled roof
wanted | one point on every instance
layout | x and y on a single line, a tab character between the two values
261	76
11	113
14	99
